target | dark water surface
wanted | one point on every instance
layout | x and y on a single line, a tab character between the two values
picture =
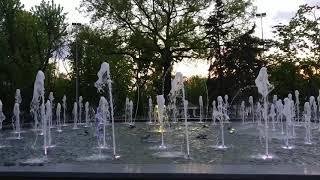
134	145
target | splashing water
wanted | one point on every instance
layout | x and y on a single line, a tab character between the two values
103	80
201	109
58	119
37	99
2	116
251	107
126	113
264	88
64	105
18	98
102	118
161	102
75	115
80	105
86	109
307	118
47	129
51	98
16	120
176	87
131	112
150	110
288	114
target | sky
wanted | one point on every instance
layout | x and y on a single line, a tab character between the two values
278	11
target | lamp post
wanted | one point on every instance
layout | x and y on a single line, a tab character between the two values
261	15
77	25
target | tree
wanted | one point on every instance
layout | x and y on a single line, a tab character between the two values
51	36
300	38
196	86
172	28
22	41
296	57
233	49
95	47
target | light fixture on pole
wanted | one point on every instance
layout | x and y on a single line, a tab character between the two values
77	25
261	15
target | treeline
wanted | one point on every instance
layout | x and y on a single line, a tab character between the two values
141	40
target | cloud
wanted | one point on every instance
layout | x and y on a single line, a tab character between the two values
281	16
312	2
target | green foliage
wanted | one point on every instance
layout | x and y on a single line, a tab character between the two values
300	37
295	63
196	86
233	49
167	30
95	47
23	45
51	34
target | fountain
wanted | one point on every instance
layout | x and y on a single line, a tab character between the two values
103	79
288	114
161	102
226	104
126	112
64	105
75	116
174	110
251	107
264	88
2	116
221	116
274	99
131	122
272	115
177	87
80	105
16	120
102	119
259	113
201	109
318	99
296	93
243	109
214	110
18	98
44	128
185	108
150	112
274	102
315	111
38	108
47	129
279	107
292	116
58	112
86	109
51	98
307	118
16	114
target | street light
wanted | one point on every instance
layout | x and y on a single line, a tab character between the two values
261	15
77	25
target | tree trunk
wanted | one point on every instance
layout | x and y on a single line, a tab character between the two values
167	70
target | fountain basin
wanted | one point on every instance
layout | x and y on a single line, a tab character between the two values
70	156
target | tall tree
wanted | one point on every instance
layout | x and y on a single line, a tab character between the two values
296	57
53	31
300	38
94	47
172	27
233	49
